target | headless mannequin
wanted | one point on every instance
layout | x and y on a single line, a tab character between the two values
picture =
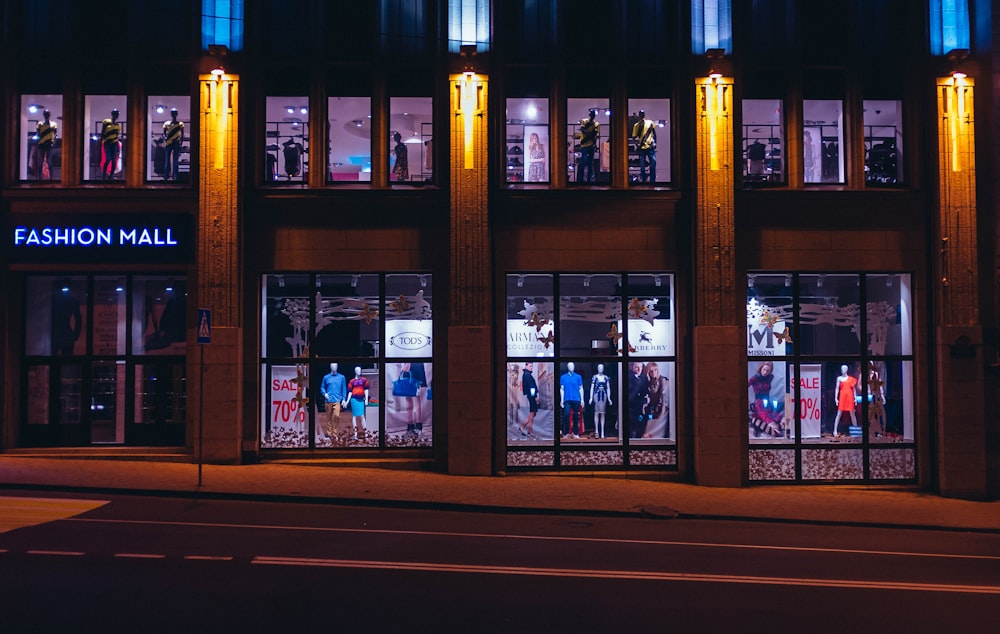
173	134
574	399
46	132
359	421
602	384
845	383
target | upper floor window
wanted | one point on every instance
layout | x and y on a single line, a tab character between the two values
949	25
763	141
469	24
883	122
222	23
823	140
711	26
41	138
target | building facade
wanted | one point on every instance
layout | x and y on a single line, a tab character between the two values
728	243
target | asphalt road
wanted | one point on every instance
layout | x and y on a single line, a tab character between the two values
160	564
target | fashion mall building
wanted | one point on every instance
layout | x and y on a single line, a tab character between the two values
727	243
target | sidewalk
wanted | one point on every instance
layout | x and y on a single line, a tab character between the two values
582	493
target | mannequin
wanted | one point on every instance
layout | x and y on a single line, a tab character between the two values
173	134
401	168
756	153
644	132
570	399
589	132
334	390
530	390
45	133
638	396
600	398
876	400
358	397
844	393
110	145
292	151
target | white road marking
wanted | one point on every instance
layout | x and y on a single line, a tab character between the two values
539	538
139	556
206	558
624	574
55	552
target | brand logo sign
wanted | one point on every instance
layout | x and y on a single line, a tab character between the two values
409	337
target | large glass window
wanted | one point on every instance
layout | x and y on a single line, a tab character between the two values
349	139
168	155
286	132
763	141
883	121
347	360
588	141
104	353
823	140
106	132
40	145
528	148
830	376
649	140
590	370
411	135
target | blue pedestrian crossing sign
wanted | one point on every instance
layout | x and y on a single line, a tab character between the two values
204	325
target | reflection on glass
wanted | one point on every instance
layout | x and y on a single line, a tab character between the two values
823	138
650	315
168	157
106	134
889	314
889	401
883	122
528	148
107	402
160	395
588	140
285	322
769	314
349	139
407	309
41	137
411	132
763	141
109	315
649	141
829	314
590	315
58	309
347	315
766	384
531	331
159	315
408	412
286	132
530	403
38	395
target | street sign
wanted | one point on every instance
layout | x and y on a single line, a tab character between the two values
204	325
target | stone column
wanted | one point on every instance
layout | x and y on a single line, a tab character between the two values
959	379
219	284
470	335
720	444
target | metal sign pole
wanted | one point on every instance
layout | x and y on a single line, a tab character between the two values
204	338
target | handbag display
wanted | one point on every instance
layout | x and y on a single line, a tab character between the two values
404	385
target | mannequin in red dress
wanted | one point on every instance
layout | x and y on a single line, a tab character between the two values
845	391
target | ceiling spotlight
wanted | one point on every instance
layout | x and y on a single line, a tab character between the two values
751	280
358	123
159	108
788	280
657	281
888	281
319	284
290	109
820	280
33	108
423	280
354	281
303	110
520	281
586	281
219	71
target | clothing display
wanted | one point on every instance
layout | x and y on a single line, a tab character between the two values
845	393
600	385
400	168
292	151
173	135
110	146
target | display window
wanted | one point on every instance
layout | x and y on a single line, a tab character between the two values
168	153
586	385
40	145
649	141
286	137
829	384
104	360
588	141
763	142
527	146
106	133
411	139
347	361
823	140
349	140
883	122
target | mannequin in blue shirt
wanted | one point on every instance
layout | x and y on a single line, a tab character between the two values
571	399
334	390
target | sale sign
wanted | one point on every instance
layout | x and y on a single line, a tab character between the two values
289	385
810	413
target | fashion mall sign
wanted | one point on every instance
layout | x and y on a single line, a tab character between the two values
94	236
102	237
